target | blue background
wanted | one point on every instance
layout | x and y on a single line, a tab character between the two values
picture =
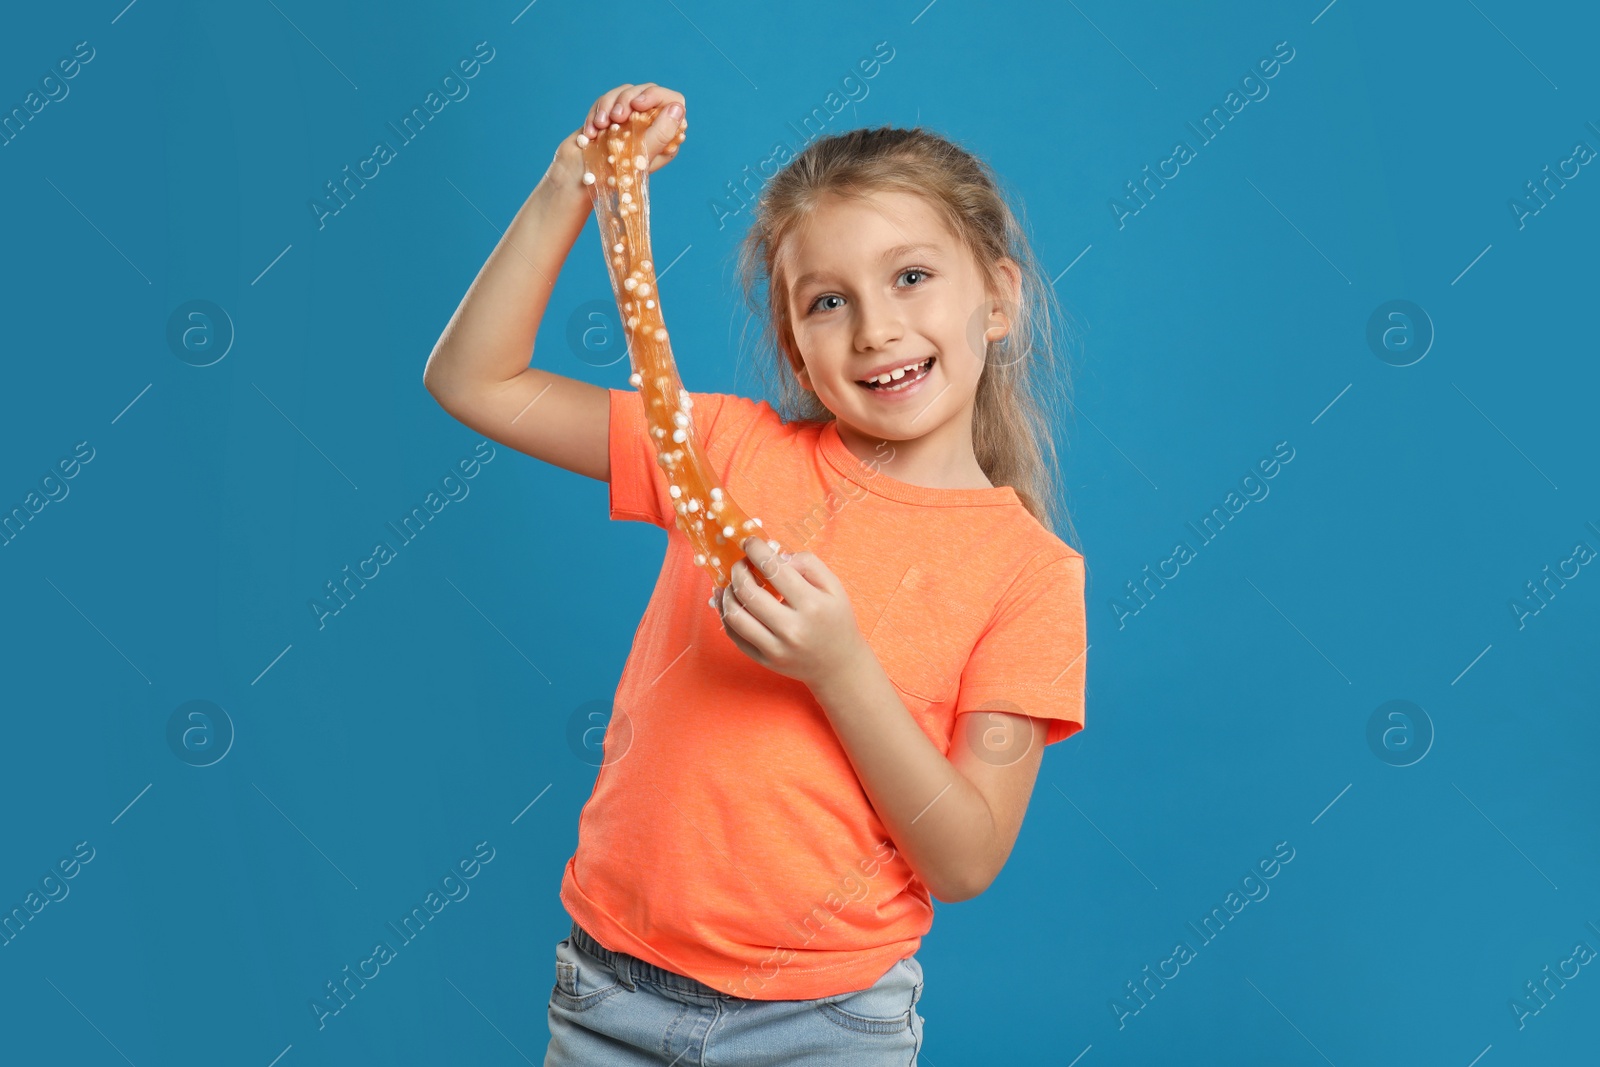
439	708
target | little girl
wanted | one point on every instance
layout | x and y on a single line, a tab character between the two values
792	774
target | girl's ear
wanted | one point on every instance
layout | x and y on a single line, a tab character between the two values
1006	307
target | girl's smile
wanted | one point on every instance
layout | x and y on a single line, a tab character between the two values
899	382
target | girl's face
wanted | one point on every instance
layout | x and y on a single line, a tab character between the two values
879	285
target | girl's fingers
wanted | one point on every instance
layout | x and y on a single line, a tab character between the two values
783	573
639	98
665	98
745	629
599	114
650	95
663	132
609	101
617	105
742	645
624	102
663	157
762	605
601	117
814	571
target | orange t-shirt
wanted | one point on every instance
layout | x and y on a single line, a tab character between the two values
727	837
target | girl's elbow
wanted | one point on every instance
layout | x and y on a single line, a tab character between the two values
957	890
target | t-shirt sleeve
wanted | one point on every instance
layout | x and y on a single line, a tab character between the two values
639	483
1031	658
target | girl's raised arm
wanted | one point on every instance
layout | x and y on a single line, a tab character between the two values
478	370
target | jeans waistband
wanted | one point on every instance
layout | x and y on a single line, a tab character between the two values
632	968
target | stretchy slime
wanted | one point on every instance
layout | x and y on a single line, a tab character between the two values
616	173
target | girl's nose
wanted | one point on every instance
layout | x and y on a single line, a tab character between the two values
878	324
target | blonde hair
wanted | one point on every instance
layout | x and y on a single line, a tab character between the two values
1015	406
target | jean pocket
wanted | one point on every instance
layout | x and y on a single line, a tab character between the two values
582	981
884	1007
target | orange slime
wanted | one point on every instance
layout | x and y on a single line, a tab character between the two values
616	173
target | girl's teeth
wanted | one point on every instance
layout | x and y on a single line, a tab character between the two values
910	380
881	382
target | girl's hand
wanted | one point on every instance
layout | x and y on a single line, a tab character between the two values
616	106
806	636
660	140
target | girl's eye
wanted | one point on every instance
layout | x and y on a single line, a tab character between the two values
835	296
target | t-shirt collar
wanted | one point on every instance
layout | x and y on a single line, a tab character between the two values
874	480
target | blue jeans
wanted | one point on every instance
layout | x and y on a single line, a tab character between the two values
610	1009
